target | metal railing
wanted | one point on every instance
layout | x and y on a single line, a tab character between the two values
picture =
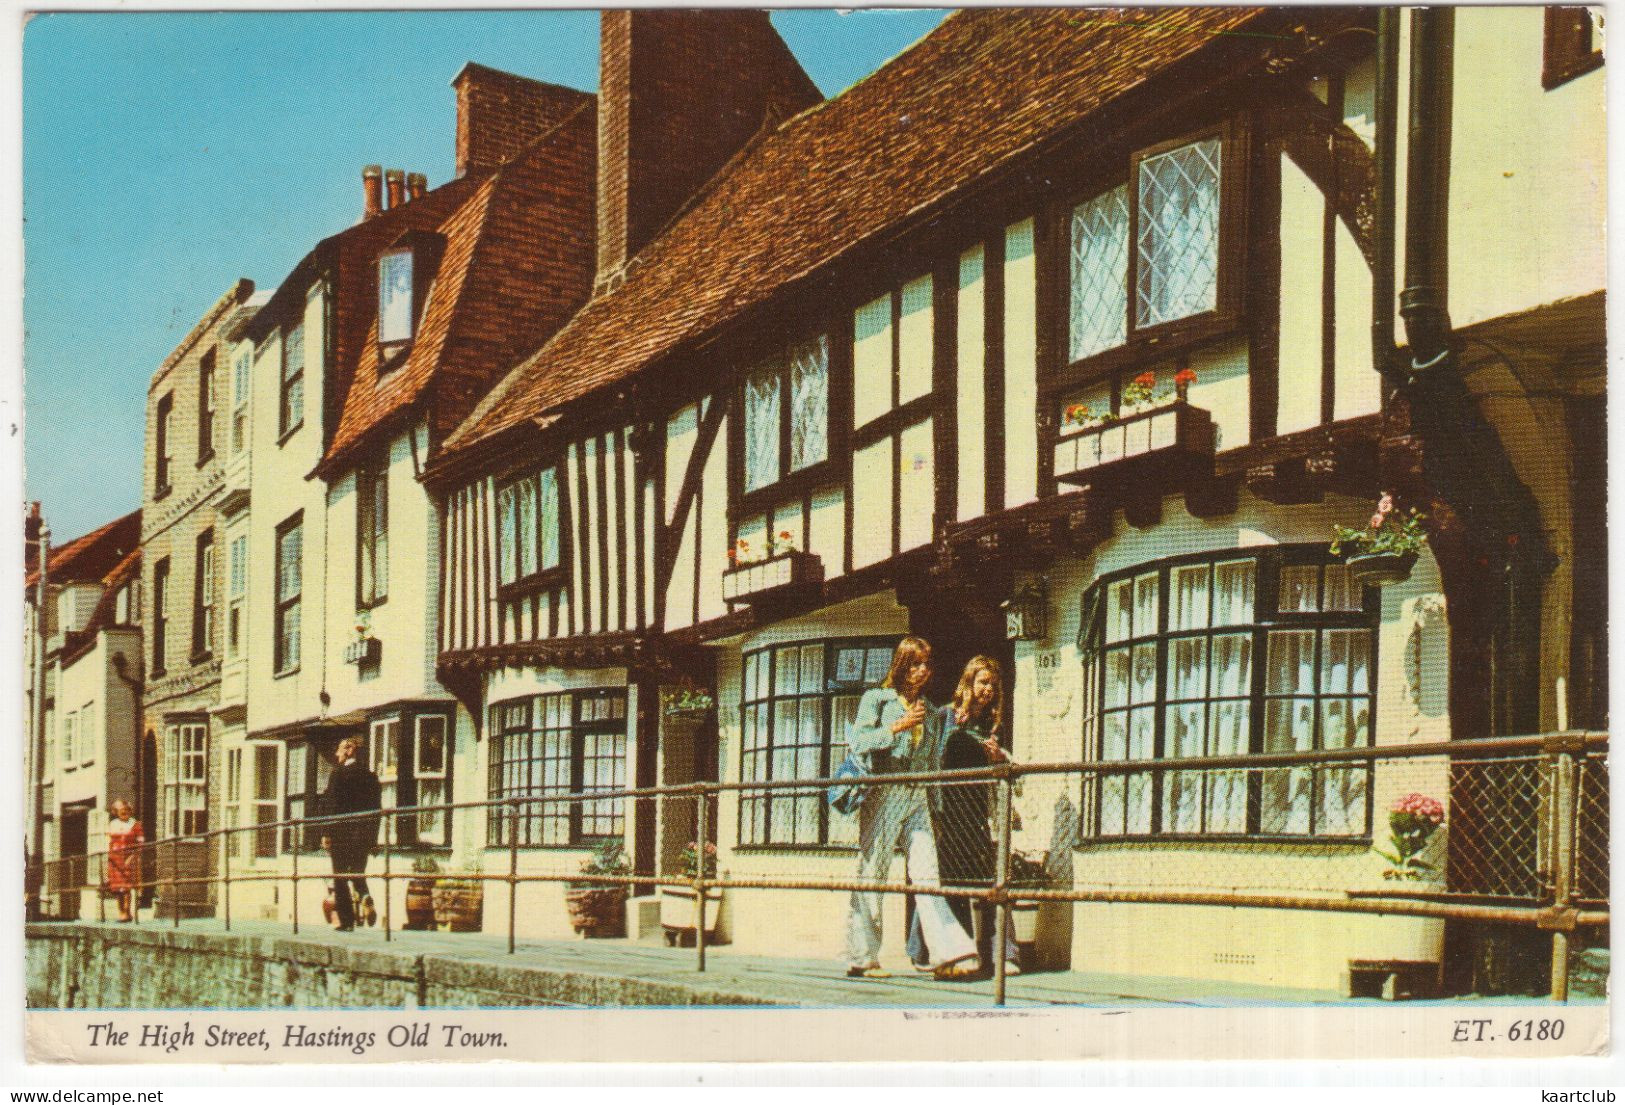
1524	839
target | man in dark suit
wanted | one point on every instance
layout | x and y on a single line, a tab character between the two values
353	790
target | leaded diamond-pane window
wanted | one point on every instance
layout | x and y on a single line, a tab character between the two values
809	403
1178	258
1100	273
762	427
786	413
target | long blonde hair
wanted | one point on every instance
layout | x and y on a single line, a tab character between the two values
910	651
967	680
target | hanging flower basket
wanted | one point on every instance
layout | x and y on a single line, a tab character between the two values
1383	552
1380	569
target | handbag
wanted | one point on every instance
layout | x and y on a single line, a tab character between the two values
846	798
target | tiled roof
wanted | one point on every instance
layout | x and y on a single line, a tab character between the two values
517	262
987	85
90	558
78	644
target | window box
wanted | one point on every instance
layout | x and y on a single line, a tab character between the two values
366	650
1161	435
772	577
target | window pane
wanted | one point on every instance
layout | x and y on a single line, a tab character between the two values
786	670
1341	594
1100	273
1345	662
1143	679
1120	611
527	527
1187	668
1189	597
809	403
1233	592
812	669
395	296
1145	604
1299	590
508	534
1118	676
1291	662
1179	233
431	750
762	427
548	518
289	549
1232	665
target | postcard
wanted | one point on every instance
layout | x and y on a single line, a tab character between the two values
715	535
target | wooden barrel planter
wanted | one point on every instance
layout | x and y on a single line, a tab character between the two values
597	911
420	905
458	906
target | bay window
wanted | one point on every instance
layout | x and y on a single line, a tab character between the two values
796	704
1223	655
567	742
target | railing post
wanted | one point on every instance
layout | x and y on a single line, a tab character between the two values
1565	796
101	899
513	869
1001	880
225	877
391	833
701	836
296	837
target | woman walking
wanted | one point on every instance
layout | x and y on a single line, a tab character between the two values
961	814
124	840
890	732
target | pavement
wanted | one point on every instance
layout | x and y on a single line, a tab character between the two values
649	966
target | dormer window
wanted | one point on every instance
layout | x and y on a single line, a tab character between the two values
395	313
405	271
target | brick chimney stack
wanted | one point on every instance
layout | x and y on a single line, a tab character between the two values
395	182
499	114
416	185
372	190
680	93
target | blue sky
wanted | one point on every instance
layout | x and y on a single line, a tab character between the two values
167	154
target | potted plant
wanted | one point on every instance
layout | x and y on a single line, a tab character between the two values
1028	871
685	702
1384	946
1412	821
420	894
459	903
599	909
677	902
1384	551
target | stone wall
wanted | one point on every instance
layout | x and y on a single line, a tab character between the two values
154	967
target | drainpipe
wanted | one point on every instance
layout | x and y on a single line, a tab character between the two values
1387	108
1424	304
41	626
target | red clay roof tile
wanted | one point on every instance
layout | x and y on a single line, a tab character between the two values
987	85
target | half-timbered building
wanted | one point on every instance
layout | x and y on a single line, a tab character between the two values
1067	337
371	351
